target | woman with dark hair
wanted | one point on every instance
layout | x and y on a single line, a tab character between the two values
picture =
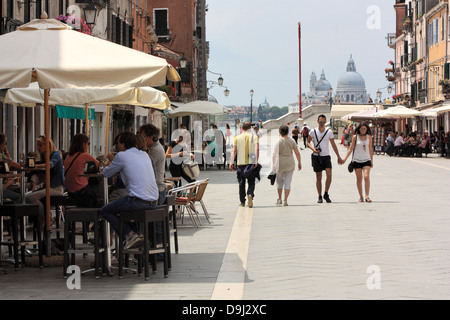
284	164
178	152
84	192
362	149
75	163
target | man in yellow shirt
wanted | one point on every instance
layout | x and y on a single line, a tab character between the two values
246	147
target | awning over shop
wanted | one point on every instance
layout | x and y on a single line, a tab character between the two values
340	110
74	113
442	109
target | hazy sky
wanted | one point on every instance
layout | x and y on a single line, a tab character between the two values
254	45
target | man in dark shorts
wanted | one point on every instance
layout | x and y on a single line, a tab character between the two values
318	141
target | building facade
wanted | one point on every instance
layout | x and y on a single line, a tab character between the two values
132	23
421	69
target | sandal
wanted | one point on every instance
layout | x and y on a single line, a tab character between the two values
368	200
361	200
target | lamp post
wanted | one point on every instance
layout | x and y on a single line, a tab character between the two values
331	106
251	105
379	96
331	98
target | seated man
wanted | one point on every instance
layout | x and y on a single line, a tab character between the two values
142	188
398	144
9	194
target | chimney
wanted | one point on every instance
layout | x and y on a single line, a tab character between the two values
400	13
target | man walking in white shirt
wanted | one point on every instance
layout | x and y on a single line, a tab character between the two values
321	159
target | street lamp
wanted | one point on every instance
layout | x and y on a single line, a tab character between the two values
183	62
379	95
389	89
331	97
90	14
226	92
251	105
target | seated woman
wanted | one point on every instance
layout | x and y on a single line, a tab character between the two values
56	175
423	147
74	167
4	154
178	152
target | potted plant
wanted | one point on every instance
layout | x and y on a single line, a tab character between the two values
406	23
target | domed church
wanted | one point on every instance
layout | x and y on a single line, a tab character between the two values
351	87
319	90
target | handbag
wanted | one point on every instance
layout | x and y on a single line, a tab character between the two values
351	165
191	169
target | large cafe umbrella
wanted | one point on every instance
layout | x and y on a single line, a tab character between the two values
147	97
143	96
49	52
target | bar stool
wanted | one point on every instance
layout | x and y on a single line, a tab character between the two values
147	220
59	203
85	215
17	212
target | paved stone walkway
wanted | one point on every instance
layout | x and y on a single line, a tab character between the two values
399	245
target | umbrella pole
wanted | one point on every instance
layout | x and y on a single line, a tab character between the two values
87	118
107	128
47	172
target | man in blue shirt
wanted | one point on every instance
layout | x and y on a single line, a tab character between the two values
142	188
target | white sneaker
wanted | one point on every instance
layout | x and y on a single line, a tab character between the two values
133	241
250	201
285	204
279	201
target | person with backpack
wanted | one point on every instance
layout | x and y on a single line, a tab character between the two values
305	134
318	141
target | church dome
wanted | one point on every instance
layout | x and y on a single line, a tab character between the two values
323	84
351	79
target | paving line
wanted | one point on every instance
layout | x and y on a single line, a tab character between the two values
429	164
230	280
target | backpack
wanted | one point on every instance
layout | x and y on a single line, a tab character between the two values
305	132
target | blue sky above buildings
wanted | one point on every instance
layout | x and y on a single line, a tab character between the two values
254	45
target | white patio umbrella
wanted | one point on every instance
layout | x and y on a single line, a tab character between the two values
147	97
49	52
400	112
143	96
198	107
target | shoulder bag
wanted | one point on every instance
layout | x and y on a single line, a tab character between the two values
351	164
317	138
